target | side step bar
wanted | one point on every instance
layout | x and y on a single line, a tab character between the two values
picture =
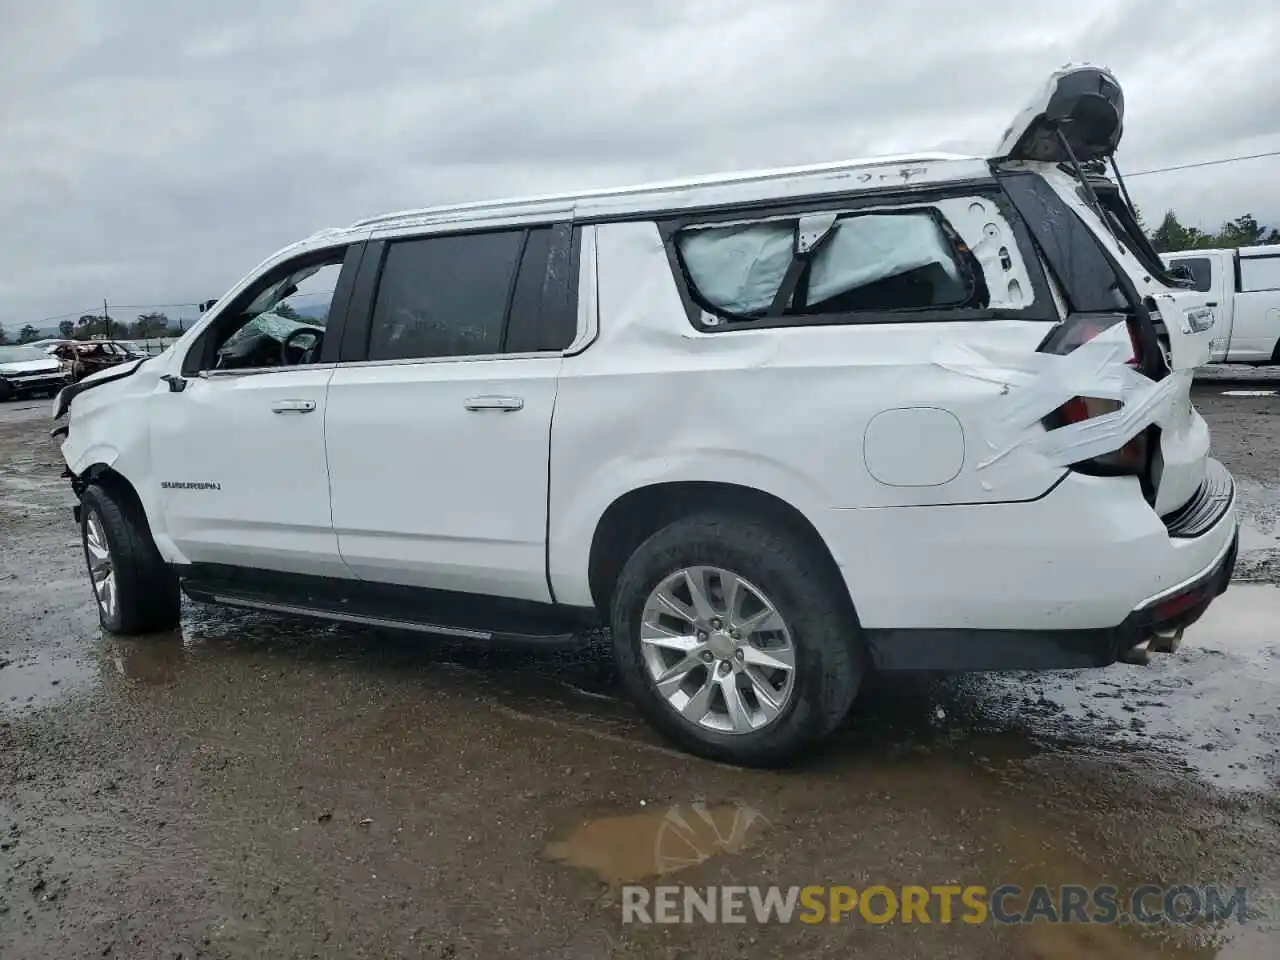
470	618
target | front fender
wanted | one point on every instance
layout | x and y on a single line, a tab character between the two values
81	460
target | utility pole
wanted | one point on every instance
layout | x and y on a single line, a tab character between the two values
106	319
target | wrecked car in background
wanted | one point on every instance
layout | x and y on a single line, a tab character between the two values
81	358
776	429
27	370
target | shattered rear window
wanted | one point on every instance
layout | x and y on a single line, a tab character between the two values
869	262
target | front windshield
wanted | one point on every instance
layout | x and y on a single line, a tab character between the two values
21	354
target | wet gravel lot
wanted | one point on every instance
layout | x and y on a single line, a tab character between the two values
259	787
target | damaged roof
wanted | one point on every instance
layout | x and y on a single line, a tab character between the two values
705	191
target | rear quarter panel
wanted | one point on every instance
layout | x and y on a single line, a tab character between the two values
785	411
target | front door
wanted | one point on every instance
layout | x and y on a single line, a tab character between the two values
238	453
240	465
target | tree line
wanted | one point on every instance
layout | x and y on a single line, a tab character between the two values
1244	231
145	327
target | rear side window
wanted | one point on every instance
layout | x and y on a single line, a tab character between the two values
475	294
1201	272
815	266
444	296
1259	273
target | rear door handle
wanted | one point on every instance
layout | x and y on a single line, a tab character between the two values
293	406
506	404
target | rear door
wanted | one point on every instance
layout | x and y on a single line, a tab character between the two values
439	419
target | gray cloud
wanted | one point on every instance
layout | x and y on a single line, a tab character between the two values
154	152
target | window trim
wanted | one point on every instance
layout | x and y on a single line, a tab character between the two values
1040	309
358	331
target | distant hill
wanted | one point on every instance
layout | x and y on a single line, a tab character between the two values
315	311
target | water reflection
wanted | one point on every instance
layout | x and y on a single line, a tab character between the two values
153	659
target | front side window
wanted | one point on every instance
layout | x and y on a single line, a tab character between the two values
812	266
283	321
444	296
1259	273
1201	272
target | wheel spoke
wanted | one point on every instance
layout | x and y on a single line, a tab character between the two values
656	635
775	658
766	619
729	587
739	718
699	705
96	550
109	594
770	704
696	581
673	678
675	606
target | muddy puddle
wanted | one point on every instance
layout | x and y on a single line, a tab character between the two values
922	825
1212	709
657	842
33	680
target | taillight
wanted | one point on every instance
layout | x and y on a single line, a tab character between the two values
1132	457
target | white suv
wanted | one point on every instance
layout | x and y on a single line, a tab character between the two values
775	429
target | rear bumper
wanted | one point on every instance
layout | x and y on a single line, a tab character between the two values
1072	583
979	650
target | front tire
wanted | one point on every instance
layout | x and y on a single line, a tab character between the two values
735	639
135	590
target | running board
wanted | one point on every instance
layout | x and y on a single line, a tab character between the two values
482	619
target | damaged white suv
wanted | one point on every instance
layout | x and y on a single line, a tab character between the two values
776	429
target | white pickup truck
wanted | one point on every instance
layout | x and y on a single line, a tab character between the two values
1245	284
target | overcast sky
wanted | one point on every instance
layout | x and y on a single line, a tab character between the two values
154	151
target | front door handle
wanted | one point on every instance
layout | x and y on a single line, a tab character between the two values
506	404
293	406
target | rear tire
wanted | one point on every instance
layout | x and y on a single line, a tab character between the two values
817	632
7	392
135	591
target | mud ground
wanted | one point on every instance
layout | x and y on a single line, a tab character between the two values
257	787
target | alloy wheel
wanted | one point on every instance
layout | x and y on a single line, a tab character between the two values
101	569
717	650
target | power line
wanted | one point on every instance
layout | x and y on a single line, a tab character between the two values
143	306
1204	163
